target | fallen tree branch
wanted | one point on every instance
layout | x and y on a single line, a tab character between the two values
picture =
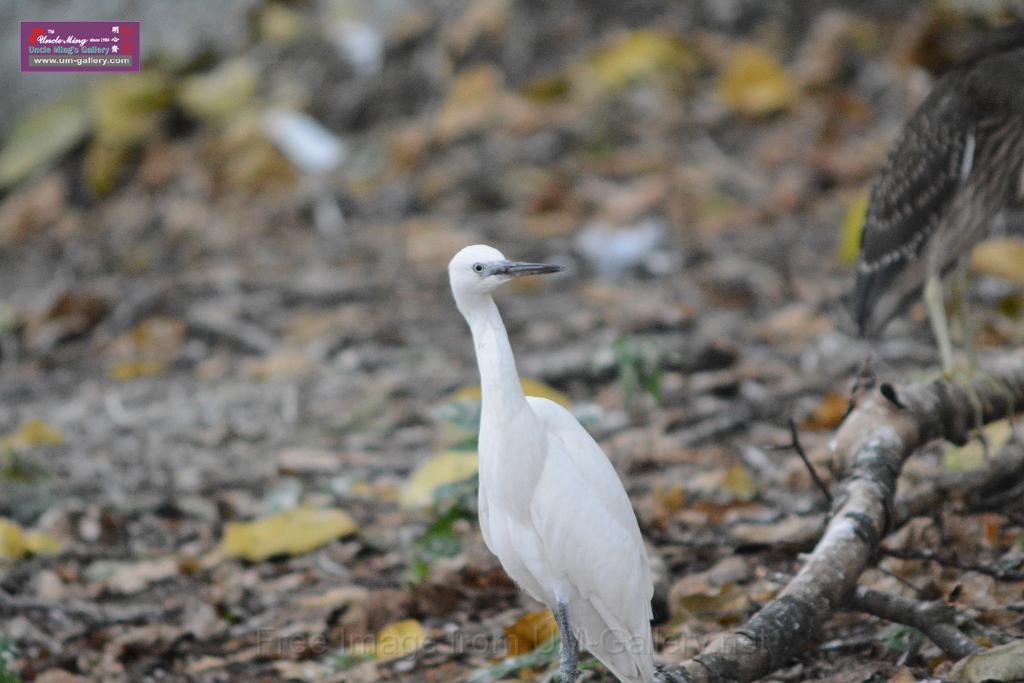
977	487
935	619
880	433
932	556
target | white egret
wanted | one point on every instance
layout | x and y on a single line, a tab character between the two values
552	508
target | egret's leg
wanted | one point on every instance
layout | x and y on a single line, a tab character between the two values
569	664
933	301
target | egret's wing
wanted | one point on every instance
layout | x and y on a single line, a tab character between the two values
484	516
593	545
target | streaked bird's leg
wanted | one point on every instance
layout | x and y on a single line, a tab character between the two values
966	321
933	301
971	349
570	655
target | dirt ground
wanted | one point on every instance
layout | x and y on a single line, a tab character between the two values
198	330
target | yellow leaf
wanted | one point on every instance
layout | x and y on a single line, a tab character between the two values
753	82
1002	256
43	135
849	230
531	387
529	631
400	638
31	433
12	543
474	101
738	480
286	363
972	455
439	470
219	94
131	369
126	107
292	532
41	543
636	55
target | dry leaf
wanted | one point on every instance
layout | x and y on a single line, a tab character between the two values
712	594
735	480
441	469
738	480
473	102
1002	256
795	323
753	82
132	577
1001	663
791	530
529	631
292	532
641	54
307	460
723	604
829	411
284	364
903	675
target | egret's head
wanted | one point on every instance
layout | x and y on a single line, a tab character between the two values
480	269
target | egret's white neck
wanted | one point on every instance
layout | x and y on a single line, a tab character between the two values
499	380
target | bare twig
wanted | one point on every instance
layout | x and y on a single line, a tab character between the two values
935	619
798	447
870	448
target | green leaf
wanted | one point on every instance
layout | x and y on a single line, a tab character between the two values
898	637
540	657
639	368
8	653
440	539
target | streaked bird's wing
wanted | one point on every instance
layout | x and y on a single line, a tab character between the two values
965	131
914	190
591	538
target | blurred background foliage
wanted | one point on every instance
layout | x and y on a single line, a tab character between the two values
236	395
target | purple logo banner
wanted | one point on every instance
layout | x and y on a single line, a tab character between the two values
80	46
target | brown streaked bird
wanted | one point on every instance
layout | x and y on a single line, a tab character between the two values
953	178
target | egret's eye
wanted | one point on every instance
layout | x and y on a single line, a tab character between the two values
478	267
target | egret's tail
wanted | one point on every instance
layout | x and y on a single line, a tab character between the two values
626	649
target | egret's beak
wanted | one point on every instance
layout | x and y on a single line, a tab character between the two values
517	268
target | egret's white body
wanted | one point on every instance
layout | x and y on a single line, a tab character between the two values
552	508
